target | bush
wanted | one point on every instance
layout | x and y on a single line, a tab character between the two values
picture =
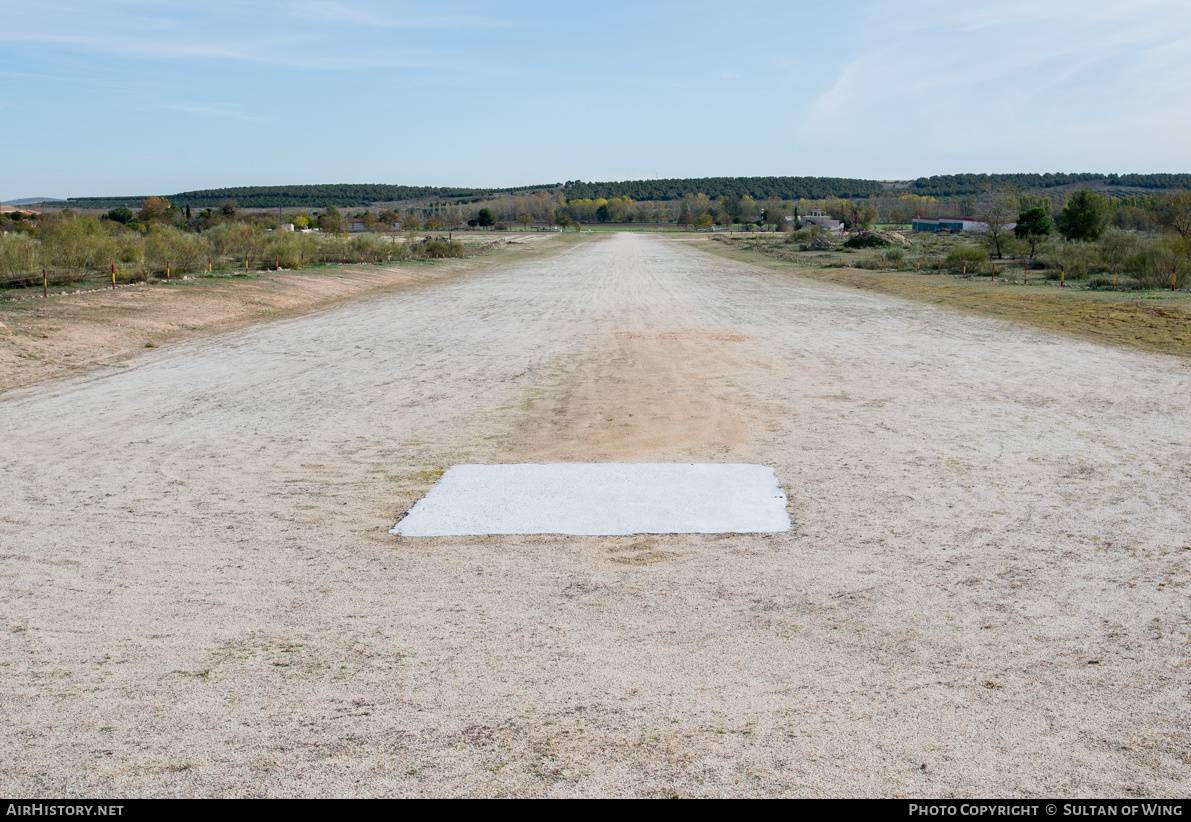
287	249
1105	281
182	250
805	235
1115	247
1077	258
440	248
966	257
1151	263
894	255
868	241
78	244
234	240
369	245
130	248
19	255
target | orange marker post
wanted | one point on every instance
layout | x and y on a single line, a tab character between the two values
113	276
45	284
1114	278
1062	276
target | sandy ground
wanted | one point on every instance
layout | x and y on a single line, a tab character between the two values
985	592
48	338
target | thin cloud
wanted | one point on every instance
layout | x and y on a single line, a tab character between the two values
231	112
354	14
265	35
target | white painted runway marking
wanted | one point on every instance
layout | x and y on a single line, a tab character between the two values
600	499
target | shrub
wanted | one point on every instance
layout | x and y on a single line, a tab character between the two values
440	248
1077	258
369	245
974	260
182	250
868	241
78	244
234	240
1151	263
288	249
19	255
1105	281
805	235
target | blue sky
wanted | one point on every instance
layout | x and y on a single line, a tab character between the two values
151	97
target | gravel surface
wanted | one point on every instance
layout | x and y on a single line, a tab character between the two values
985	590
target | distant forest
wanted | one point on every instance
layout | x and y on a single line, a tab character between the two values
759	188
822	188
958	185
311	196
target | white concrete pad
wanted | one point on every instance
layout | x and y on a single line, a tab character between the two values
600	499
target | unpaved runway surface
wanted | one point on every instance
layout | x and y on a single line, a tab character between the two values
985	592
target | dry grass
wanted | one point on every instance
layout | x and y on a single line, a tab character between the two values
1153	321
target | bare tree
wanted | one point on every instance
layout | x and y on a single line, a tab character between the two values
999	210
1173	212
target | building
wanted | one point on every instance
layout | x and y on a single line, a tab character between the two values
934	224
818	218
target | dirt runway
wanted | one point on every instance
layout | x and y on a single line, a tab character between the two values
985	592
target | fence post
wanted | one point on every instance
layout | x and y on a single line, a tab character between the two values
1062	276
1114	278
113	276
167	271
245	263
208	265
45	284
1173	270
1025	273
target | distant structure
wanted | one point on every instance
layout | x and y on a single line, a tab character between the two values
818	218
936	224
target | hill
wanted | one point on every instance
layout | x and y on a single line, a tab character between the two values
352	195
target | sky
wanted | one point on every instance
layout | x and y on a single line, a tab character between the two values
128	97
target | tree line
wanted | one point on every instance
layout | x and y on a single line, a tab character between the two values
657	191
957	185
759	188
307	196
